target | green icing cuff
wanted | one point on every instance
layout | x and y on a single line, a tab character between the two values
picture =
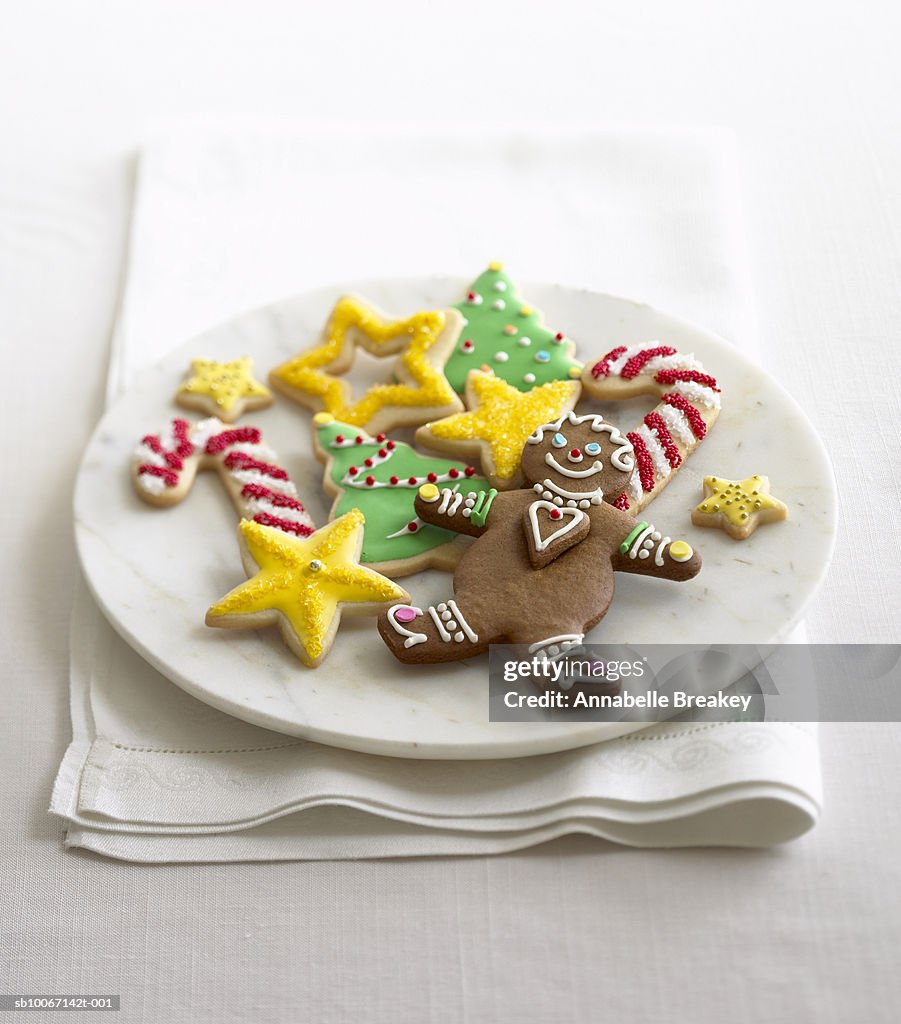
482	507
627	543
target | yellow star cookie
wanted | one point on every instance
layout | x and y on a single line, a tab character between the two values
418	390
500	420
738	506
225	390
302	585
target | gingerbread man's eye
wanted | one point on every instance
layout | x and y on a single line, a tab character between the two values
592	448
558	441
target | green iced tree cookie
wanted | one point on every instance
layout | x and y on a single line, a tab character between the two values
507	335
381	477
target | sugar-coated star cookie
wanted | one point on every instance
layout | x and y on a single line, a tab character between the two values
417	391
302	585
499	420
225	390
738	506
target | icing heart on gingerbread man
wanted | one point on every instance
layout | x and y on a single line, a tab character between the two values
550	530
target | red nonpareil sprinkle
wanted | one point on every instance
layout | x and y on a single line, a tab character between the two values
390	446
240	460
279	500
695	419
602	367
358	439
471	296
383	453
453	473
671	376
644	460
367	463
353	471
576	454
370	480
285	525
339	439
169	478
412	527
656	423
241	435
412	480
555	513
432	478
558	336
636	364
622	502
380	437
394	481
469	471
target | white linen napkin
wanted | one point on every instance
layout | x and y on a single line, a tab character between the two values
224	220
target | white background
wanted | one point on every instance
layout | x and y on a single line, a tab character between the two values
574	930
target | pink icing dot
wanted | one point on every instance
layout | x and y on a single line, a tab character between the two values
405	614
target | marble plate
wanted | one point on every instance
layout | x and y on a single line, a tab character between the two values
155	572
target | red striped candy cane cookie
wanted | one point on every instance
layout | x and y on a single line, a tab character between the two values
688	408
165	465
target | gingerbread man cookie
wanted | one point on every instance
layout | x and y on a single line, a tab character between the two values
541	569
689	404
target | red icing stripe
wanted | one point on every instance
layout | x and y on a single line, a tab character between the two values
169	478
241	435
671	376
622	502
279	500
635	365
240	460
644	460
264	519
602	367
656	423
698	426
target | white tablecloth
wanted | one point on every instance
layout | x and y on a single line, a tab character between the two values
564	931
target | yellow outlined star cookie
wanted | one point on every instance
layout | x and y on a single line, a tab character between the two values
418	390
499	422
302	584
225	390
738	506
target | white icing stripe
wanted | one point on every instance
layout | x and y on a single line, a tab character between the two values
144	453
455	503
254	506
254	476
256	451
206	429
617	364
442	632
700	394
661	549
634	486
679	361
677	424
464	625
446	494
639	540
575	474
405	530
151	484
655	450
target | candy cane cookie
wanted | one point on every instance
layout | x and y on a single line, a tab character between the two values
688	408
164	467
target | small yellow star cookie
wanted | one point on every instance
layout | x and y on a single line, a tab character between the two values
417	390
738	506
225	390
303	584
499	422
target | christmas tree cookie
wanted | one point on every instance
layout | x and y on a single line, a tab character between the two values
381	477
509	336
